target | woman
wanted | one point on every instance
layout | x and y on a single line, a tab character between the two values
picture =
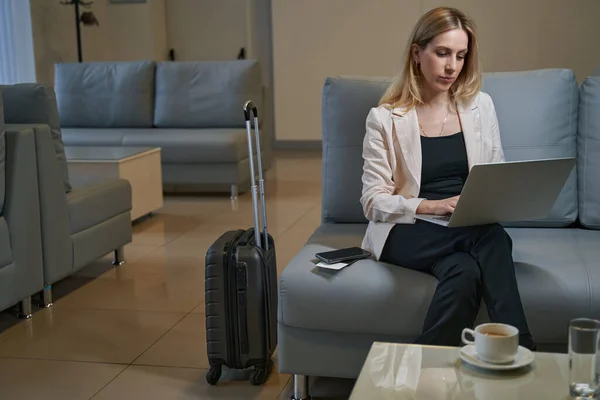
431	126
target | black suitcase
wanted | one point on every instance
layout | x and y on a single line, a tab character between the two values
241	289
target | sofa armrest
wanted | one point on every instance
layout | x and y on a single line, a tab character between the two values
57	245
22	211
97	202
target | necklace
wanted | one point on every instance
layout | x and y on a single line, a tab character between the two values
441	130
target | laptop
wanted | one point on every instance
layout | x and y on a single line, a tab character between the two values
511	191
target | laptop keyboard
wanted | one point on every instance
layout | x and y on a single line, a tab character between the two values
443	218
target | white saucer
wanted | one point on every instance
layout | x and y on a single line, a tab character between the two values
524	357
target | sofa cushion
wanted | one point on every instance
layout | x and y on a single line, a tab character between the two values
555	281
588	148
94	136
2	155
537	116
345	106
586	251
105	94
6	253
194	145
208	94
33	103
559	276
92	204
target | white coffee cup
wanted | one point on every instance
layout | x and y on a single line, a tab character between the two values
494	343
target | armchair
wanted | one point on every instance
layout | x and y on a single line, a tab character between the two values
78	223
21	274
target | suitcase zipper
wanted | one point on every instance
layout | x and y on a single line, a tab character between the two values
231	302
242	282
267	259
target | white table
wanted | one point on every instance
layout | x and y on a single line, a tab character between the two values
441	374
141	166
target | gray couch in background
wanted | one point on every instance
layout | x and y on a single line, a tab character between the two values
21	274
328	321
193	111
78	224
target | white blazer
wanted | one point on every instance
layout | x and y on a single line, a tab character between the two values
392	162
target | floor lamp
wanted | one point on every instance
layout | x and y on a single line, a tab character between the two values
87	18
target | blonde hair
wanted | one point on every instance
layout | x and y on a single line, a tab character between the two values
405	90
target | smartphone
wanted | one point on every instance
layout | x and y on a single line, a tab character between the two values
348	254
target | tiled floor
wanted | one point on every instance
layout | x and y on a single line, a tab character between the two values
137	331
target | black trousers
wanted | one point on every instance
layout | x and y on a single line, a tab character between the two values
469	263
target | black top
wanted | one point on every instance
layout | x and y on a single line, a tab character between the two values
445	166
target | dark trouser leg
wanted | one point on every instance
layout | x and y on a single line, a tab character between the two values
492	248
456	300
434	249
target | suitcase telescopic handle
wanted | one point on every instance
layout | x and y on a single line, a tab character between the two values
251	107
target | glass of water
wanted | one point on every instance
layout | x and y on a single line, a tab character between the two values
584	363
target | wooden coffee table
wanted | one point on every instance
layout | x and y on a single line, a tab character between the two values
439	373
141	166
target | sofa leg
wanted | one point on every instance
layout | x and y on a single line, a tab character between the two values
301	391
47	297
234	192
24	308
119	258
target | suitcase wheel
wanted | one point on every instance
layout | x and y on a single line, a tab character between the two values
213	375
261	373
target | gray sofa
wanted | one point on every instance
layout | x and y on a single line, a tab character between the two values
193	111
77	224
21	274
328	321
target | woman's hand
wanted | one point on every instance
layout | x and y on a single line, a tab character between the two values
438	207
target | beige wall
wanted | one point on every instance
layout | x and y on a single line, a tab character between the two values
354	37
216	30
126	32
137	31
54	38
261	49
206	29
260	36
159	21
